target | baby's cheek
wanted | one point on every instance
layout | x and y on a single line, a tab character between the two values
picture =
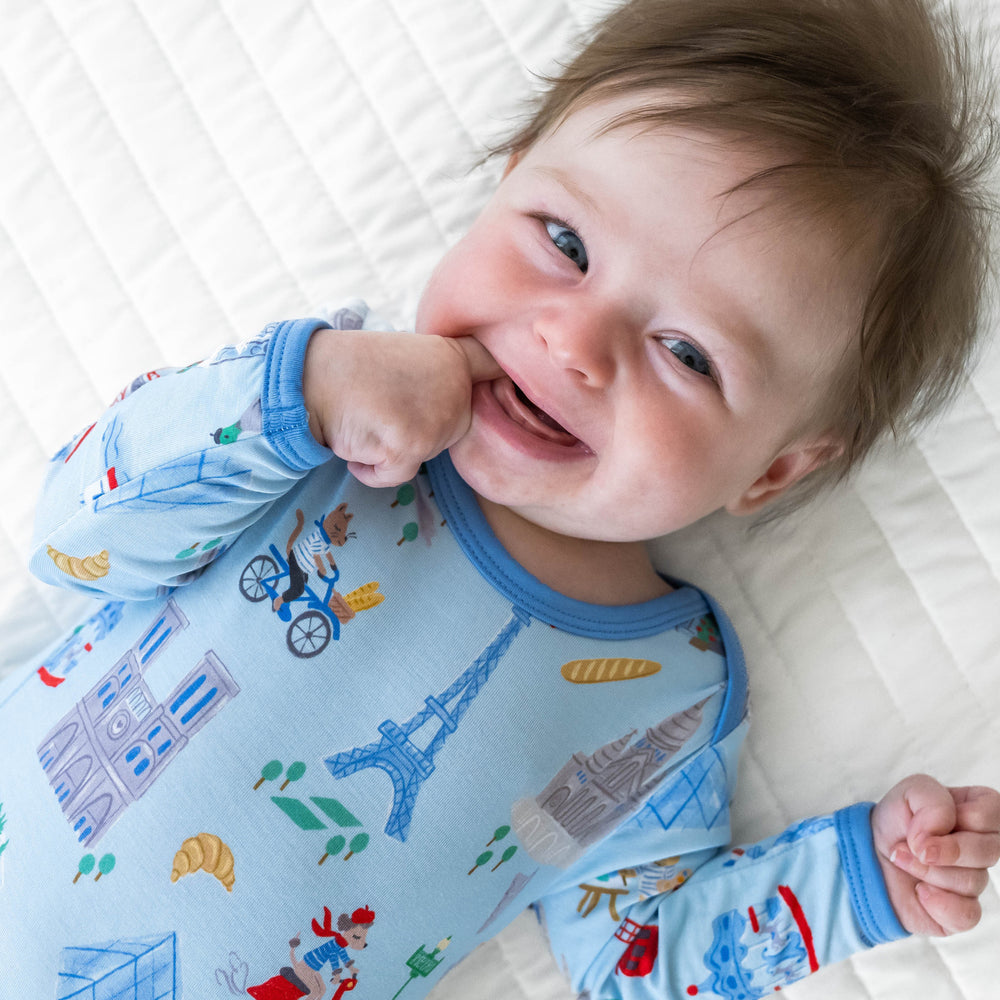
681	480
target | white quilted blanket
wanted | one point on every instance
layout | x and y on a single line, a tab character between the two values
174	175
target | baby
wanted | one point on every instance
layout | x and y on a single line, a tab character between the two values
733	246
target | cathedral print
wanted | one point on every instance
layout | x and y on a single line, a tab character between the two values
593	793
118	739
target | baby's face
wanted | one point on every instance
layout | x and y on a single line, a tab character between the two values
665	347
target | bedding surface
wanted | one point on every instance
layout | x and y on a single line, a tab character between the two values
177	175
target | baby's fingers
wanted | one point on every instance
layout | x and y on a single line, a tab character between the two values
978	808
961	881
965	848
951	913
933	810
384	474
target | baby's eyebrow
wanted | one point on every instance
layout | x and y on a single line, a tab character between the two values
567	181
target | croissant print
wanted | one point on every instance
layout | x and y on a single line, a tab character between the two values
209	853
86	568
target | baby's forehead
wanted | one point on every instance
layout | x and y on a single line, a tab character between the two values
630	123
769	177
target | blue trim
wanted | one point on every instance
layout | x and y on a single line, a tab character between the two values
284	418
869	897
597	621
736	703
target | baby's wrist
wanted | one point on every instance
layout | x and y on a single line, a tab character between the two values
318	377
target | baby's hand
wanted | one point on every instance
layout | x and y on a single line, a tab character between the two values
934	845
385	402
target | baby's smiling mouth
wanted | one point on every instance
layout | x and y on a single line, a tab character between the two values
529	415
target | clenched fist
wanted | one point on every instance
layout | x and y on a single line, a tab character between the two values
385	402
934	845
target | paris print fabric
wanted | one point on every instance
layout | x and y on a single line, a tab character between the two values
317	739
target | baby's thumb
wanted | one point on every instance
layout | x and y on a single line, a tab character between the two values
482	365
934	815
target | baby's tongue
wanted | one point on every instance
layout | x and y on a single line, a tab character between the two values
525	412
540	413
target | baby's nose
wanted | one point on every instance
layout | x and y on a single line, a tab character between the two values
582	341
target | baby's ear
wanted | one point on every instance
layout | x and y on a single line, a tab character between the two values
785	471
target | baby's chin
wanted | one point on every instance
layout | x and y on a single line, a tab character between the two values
579	522
475	470
496	495
490	485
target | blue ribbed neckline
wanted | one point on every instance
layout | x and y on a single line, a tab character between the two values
459	506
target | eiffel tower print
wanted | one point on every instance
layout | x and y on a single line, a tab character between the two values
405	763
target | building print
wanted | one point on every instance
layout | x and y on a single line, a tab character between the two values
136	969
591	795
109	748
169	484
695	798
396	752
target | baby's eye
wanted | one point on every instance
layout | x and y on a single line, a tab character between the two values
687	354
568	243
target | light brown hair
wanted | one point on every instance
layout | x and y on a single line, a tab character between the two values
883	112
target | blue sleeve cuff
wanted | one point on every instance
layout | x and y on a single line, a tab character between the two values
285	421
869	896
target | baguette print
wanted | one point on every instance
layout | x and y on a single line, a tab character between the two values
605	669
365	597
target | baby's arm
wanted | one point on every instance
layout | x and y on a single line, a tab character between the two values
934	845
763	915
748	921
176	468
385	402
181	464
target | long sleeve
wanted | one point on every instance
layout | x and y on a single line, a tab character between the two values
732	923
178	466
